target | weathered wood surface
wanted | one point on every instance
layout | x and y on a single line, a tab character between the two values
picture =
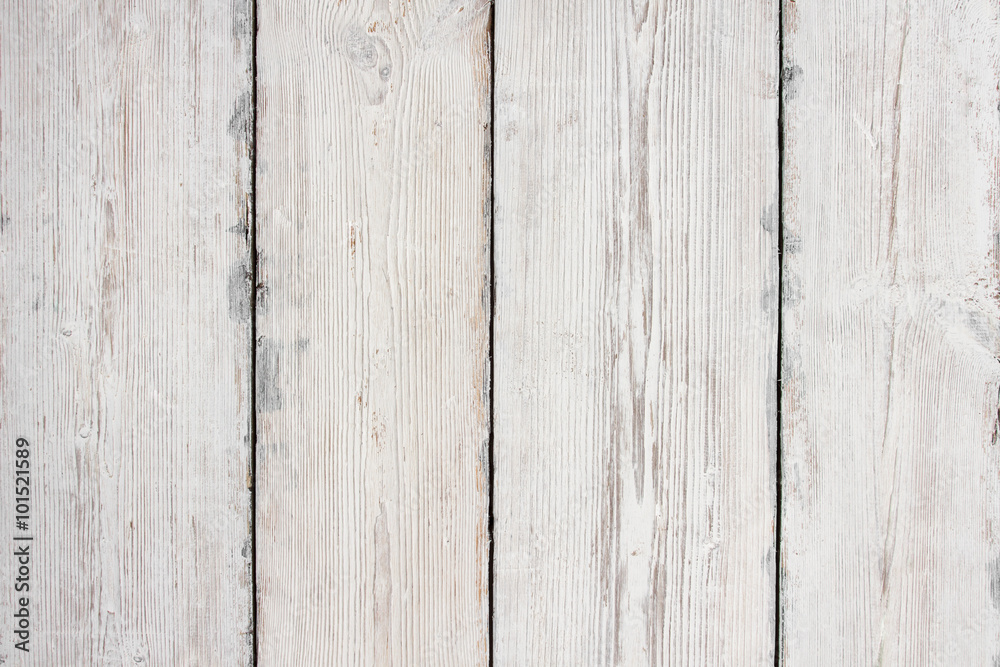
125	328
636	332
890	341
373	324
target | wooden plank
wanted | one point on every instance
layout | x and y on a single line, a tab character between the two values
125	329
373	333
890	549
635	332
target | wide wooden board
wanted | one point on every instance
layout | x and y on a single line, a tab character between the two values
636	332
125	329
373	324
890	549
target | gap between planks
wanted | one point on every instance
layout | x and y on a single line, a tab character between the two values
779	373
491	559
253	328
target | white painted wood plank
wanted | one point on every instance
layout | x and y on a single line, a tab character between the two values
124	329
373	333
890	544
635	332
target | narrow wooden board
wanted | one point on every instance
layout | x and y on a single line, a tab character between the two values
635	332
890	550
372	373
125	329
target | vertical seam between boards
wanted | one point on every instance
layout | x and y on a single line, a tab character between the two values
253	333
491	573
780	308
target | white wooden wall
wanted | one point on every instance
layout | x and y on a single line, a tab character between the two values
552	332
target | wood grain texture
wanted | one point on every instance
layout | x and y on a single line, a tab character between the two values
635	332
890	504
373	333
124	328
